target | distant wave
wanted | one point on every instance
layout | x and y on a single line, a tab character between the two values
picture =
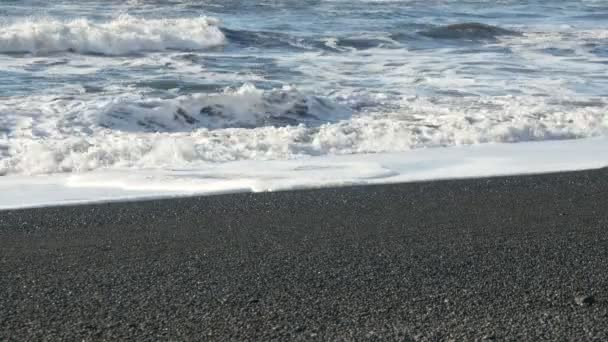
244	107
268	39
123	35
470	31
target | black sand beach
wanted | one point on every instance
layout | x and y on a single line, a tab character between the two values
496	259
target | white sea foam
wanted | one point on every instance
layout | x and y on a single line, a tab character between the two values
122	35
46	134
246	106
310	172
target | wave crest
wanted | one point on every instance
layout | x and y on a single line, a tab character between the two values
123	35
244	107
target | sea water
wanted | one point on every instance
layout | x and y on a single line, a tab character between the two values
170	85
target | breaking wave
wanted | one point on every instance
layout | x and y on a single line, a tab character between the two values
46	135
244	107
123	35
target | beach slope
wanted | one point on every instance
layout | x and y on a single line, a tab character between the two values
505	258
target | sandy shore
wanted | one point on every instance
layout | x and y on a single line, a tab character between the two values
500	258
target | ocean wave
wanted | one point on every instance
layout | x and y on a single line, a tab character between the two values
49	135
123	35
468	31
244	107
269	39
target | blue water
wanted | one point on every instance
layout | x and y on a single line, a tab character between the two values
281	79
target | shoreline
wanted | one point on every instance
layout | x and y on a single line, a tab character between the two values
498	258
243	176
333	187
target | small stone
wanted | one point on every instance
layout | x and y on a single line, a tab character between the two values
584	300
489	337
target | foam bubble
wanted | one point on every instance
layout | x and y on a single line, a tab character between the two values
123	35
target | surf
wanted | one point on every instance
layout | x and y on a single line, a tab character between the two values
123	35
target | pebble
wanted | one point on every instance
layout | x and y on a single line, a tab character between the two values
584	300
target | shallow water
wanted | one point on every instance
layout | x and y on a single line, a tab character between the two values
170	84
